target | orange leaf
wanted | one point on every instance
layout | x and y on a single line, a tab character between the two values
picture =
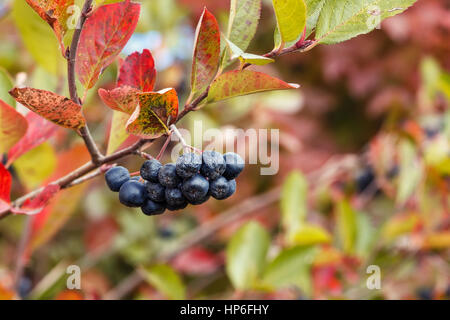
243	82
206	52
55	13
104	35
58	109
13	126
124	99
154	114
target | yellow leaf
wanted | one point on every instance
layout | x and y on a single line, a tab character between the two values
309	235
118	133
291	18
35	166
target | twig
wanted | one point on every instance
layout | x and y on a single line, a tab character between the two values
164	147
71	56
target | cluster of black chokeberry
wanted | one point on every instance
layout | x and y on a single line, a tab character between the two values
192	180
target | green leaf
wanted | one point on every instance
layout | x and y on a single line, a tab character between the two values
166	281
6	84
32	175
399	225
38	38
291	267
246	255
340	20
291	18
309	234
294	203
411	172
242	82
118	132
314	7
243	21
346	226
365	236
237	53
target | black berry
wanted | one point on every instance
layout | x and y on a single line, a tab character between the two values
132	194
234	165
201	200
156	191
213	165
168	176
219	188
231	188
188	165
175	199
116	177
150	170
151	208
195	189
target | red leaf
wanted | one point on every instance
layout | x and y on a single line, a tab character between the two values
124	99
154	114
58	109
39	130
242	82
37	204
196	261
138	71
206	52
13	126
104	35
56	13
5	188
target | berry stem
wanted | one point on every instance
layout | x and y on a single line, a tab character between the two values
164	147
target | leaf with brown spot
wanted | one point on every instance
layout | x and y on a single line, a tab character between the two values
138	71
55	13
53	107
124	99
206	52
243	82
155	113
13	126
104	35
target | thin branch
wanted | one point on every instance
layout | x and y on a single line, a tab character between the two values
71	56
71	53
